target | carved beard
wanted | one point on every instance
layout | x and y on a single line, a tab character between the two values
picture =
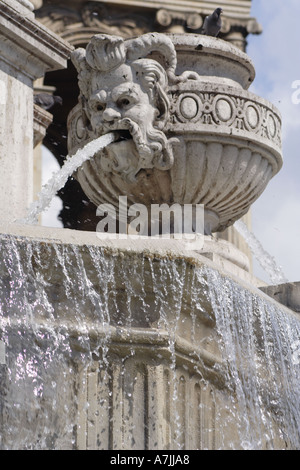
132	151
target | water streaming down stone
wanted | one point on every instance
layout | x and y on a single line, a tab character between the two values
268	383
60	177
82	369
58	322
266	261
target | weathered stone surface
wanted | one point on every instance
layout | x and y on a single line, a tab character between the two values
77	21
286	294
190	133
42	119
113	345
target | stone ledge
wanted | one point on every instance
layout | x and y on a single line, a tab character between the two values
41	121
286	294
148	247
39	48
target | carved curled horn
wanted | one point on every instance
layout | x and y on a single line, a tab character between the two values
78	58
105	52
151	42
79	61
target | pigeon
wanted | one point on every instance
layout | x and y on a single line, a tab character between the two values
46	101
212	23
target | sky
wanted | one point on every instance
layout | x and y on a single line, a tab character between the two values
276	57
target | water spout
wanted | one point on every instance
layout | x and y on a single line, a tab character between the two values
60	177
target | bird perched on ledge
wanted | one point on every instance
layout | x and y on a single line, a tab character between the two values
213	23
46	100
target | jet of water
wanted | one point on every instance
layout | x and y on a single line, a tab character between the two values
266	261
60	177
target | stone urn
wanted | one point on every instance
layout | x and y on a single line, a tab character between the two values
188	131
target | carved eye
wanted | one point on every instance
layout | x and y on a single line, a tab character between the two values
123	102
100	107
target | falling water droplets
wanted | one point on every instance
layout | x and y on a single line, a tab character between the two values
266	261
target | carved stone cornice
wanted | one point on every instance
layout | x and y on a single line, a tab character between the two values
77	26
41	121
38	48
80	21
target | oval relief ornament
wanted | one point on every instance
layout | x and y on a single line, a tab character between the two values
271	125
189	107
223	110
252	117
80	129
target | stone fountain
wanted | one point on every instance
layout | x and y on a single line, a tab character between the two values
138	344
190	133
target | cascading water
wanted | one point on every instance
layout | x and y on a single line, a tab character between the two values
72	163
266	261
64	307
86	333
257	340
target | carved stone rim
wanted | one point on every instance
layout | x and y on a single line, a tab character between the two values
262	128
212	46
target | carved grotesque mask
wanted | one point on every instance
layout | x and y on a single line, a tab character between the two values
125	92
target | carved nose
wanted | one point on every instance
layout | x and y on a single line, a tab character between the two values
111	114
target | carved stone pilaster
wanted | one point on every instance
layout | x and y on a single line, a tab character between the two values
27	51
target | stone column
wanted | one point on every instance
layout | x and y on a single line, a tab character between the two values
28	50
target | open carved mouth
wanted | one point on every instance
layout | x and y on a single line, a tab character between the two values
128	132
123	135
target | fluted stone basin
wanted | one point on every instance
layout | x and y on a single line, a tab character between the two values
211	141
